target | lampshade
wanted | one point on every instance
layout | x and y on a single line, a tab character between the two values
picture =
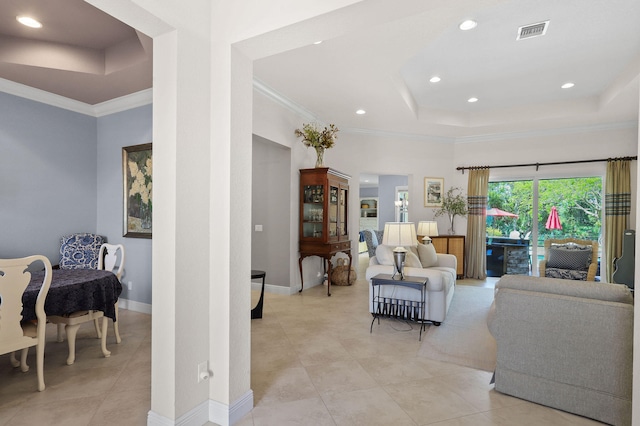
399	234
428	228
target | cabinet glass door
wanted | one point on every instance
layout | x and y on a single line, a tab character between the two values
313	211
333	211
343	212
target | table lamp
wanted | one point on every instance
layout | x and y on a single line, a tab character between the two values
427	228
399	234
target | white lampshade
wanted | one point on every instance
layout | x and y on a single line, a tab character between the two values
428	228
399	234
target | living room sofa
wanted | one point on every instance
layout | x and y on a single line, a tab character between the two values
565	344
422	262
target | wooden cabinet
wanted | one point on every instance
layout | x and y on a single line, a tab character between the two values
451	244
324	218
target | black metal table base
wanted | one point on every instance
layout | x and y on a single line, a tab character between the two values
257	311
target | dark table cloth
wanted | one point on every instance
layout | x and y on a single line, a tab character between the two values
74	290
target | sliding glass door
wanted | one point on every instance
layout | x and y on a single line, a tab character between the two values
537	209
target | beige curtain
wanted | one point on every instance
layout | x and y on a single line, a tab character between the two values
476	256
617	209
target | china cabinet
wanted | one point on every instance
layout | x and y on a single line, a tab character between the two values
324	219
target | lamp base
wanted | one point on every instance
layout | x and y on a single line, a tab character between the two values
398	258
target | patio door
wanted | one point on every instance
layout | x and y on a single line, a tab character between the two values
578	206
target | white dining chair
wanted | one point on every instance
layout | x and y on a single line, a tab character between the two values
14	333
108	260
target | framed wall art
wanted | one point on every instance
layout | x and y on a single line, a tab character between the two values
433	191
137	172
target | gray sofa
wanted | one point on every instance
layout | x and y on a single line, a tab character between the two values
565	344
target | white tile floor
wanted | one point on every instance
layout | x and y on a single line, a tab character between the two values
314	362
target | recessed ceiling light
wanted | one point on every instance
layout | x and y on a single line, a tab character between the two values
469	24
567	85
434	79
317	42
29	22
361	112
472	100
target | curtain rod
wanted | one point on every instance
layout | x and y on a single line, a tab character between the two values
555	163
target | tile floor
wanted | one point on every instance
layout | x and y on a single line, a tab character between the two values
314	362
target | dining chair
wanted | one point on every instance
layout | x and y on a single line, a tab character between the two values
80	251
14	333
108	260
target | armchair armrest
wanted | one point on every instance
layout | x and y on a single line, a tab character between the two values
447	261
542	266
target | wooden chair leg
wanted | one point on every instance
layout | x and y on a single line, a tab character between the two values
72	331
14	362
60	332
23	360
103	343
116	330
97	327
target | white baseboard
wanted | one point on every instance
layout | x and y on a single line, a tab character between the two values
274	289
132	305
209	411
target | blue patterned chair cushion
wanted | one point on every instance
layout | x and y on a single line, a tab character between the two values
80	251
569	256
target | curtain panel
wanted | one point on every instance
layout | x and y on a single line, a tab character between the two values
617	209
477	197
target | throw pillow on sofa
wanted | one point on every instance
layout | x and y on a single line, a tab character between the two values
384	254
574	256
427	254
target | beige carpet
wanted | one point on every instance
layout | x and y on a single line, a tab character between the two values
463	338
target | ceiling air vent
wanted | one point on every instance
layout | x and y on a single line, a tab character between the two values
532	30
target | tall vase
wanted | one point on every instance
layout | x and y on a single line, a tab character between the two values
320	156
452	230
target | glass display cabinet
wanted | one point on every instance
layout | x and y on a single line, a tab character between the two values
324	219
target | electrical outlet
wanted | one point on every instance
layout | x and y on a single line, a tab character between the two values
203	371
129	285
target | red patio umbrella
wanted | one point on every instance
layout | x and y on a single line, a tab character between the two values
497	212
553	221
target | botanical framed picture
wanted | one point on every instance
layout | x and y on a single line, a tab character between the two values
137	172
433	191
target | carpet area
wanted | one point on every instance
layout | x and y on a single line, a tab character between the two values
463	338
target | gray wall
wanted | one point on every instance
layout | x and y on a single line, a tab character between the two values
131	127
270	208
47	176
60	173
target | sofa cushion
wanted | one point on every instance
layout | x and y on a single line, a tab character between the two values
569	256
427	254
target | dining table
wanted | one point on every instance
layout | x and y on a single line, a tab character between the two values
73	290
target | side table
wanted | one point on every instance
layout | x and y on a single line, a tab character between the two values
389	306
257	311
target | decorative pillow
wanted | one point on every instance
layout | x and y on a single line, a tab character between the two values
428	255
569	256
80	251
384	254
411	260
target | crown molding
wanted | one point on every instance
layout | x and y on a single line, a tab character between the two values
143	97
44	97
399	135
123	103
548	132
270	93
